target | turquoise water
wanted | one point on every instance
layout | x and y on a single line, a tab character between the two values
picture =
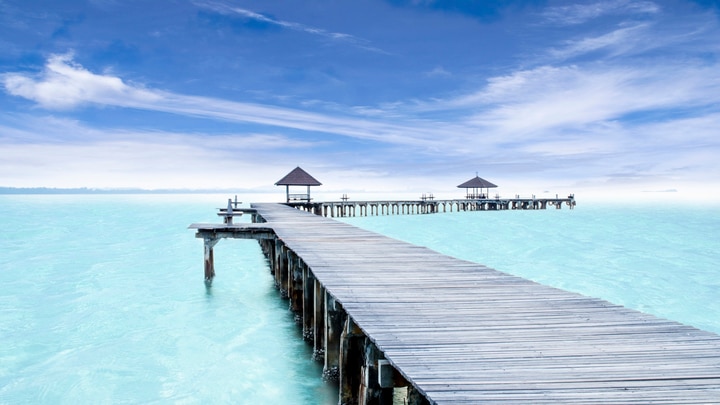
102	299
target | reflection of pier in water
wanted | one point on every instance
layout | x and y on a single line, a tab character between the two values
397	323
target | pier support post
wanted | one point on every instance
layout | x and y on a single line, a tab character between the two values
269	249
334	323
372	390
308	304
351	353
295	266
281	269
319	322
209	243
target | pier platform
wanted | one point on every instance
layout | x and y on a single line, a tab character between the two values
394	322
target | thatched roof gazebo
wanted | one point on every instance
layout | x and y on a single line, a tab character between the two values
298	177
477	183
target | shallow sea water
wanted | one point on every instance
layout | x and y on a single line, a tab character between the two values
102	299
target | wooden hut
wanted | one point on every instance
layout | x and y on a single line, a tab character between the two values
474	188
298	177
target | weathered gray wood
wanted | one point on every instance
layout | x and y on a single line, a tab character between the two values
427	206
209	259
308	303
319	321
334	323
462	333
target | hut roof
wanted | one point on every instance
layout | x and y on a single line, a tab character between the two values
477	182
298	177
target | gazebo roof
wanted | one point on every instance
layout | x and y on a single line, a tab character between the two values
477	182
298	177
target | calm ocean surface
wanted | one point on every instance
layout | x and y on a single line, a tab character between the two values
102	299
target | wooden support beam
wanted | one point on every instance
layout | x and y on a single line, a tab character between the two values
288	274
371	389
281	268
270	254
296	266
351	362
308	303
319	322
334	323
209	243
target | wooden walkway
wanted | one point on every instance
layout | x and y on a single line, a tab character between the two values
462	333
428	206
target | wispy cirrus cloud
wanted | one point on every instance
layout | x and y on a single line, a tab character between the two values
64	85
567	98
438	71
622	41
67	153
225	9
574	14
510	108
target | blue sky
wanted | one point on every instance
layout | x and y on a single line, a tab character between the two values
384	96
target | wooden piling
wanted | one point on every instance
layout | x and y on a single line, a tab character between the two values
371	391
281	270
351	362
319	321
209	243
334	323
295	284
308	303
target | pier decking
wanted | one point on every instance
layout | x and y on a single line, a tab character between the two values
384	314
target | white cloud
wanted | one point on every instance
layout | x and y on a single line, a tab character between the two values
438	71
617	42
294	26
527	105
545	119
38	152
64	84
580	13
545	99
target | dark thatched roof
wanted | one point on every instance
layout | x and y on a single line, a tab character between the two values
298	177
477	182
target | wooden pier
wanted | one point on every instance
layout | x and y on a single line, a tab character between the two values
392	321
428	205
